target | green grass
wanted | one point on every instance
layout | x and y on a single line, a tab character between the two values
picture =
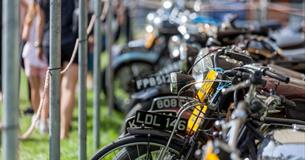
37	146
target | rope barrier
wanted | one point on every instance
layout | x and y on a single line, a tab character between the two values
39	111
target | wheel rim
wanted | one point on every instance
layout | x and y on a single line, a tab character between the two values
139	151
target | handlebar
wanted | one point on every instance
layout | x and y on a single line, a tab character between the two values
288	72
255	79
268	72
283	78
276	76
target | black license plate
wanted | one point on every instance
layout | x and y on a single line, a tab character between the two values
130	122
159	121
169	103
152	81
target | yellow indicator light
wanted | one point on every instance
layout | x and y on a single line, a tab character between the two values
150	40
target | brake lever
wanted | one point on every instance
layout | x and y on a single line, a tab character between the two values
255	79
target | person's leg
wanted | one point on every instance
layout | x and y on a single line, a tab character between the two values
35	91
34	81
68	86
25	48
29	91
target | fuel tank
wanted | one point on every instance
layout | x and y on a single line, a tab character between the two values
283	144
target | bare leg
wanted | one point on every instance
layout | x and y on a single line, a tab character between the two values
68	86
35	91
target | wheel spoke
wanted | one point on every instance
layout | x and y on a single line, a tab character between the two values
133	149
148	153
138	150
116	152
128	155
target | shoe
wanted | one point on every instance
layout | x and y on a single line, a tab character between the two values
28	111
44	127
37	122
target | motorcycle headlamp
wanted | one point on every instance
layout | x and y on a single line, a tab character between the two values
202	65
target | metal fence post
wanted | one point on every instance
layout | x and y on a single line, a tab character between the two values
82	76
55	56
10	85
109	49
96	74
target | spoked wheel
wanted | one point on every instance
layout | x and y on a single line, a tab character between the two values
137	148
123	82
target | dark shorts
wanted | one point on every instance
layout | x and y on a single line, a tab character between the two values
66	53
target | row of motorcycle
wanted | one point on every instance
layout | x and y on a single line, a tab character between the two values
197	88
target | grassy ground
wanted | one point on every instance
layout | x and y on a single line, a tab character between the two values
37	147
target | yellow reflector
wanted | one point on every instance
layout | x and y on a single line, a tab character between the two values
199	111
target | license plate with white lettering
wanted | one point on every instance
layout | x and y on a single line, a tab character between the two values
159	121
169	103
152	81
130	122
